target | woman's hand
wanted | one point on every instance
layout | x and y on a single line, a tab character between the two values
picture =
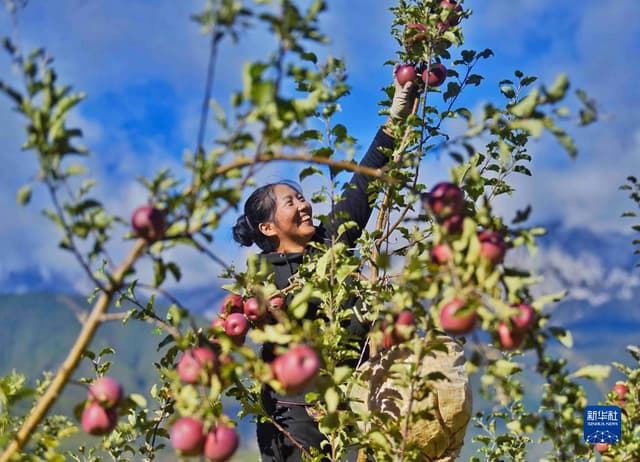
403	98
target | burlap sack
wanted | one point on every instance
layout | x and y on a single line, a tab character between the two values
449	403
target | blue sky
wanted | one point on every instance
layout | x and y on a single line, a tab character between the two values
142	64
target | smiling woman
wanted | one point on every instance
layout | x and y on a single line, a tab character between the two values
279	219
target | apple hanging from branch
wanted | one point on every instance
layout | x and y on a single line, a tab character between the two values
297	368
454	14
232	303
435	75
106	391
221	443
456	317
492	247
187	436
149	223
253	310
236	326
97	420
444	200
404	326
197	365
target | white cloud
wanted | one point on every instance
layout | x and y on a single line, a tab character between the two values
585	276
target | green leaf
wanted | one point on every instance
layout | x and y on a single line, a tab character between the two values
468	55
332	399
595	372
175	270
107	351
533	127
312	170
522	169
563	336
558	88
525	107
308	56
508	91
453	89
159	272
474	79
299	304
75	170
23	195
341	373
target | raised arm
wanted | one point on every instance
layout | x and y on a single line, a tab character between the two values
357	203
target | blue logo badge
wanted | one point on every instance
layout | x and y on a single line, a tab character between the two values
602	424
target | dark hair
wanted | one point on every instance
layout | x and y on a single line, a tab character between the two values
260	207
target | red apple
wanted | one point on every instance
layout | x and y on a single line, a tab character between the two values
149	223
492	247
509	339
404	326
197	365
276	303
621	390
435	75
414	33
453	225
444	200
105	390
236	326
187	436
253	310
441	253
523	321
403	329
218	324
601	447
454	322
296	368
388	339
97	420
405	73
232	303
453	17
221	443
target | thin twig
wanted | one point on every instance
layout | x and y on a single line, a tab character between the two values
290	436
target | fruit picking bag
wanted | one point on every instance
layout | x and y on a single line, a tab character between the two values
443	399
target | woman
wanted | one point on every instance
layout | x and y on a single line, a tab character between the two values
278	218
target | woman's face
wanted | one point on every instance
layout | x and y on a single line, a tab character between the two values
292	222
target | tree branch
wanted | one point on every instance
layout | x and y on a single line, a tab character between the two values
73	357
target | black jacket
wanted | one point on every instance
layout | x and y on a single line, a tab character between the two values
355	206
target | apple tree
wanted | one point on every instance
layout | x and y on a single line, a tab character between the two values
434	264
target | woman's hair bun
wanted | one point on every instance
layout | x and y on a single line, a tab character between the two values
243	232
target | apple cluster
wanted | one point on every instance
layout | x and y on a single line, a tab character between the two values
197	366
100	414
418	40
433	75
459	316
237	315
217	444
296	368
618	396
